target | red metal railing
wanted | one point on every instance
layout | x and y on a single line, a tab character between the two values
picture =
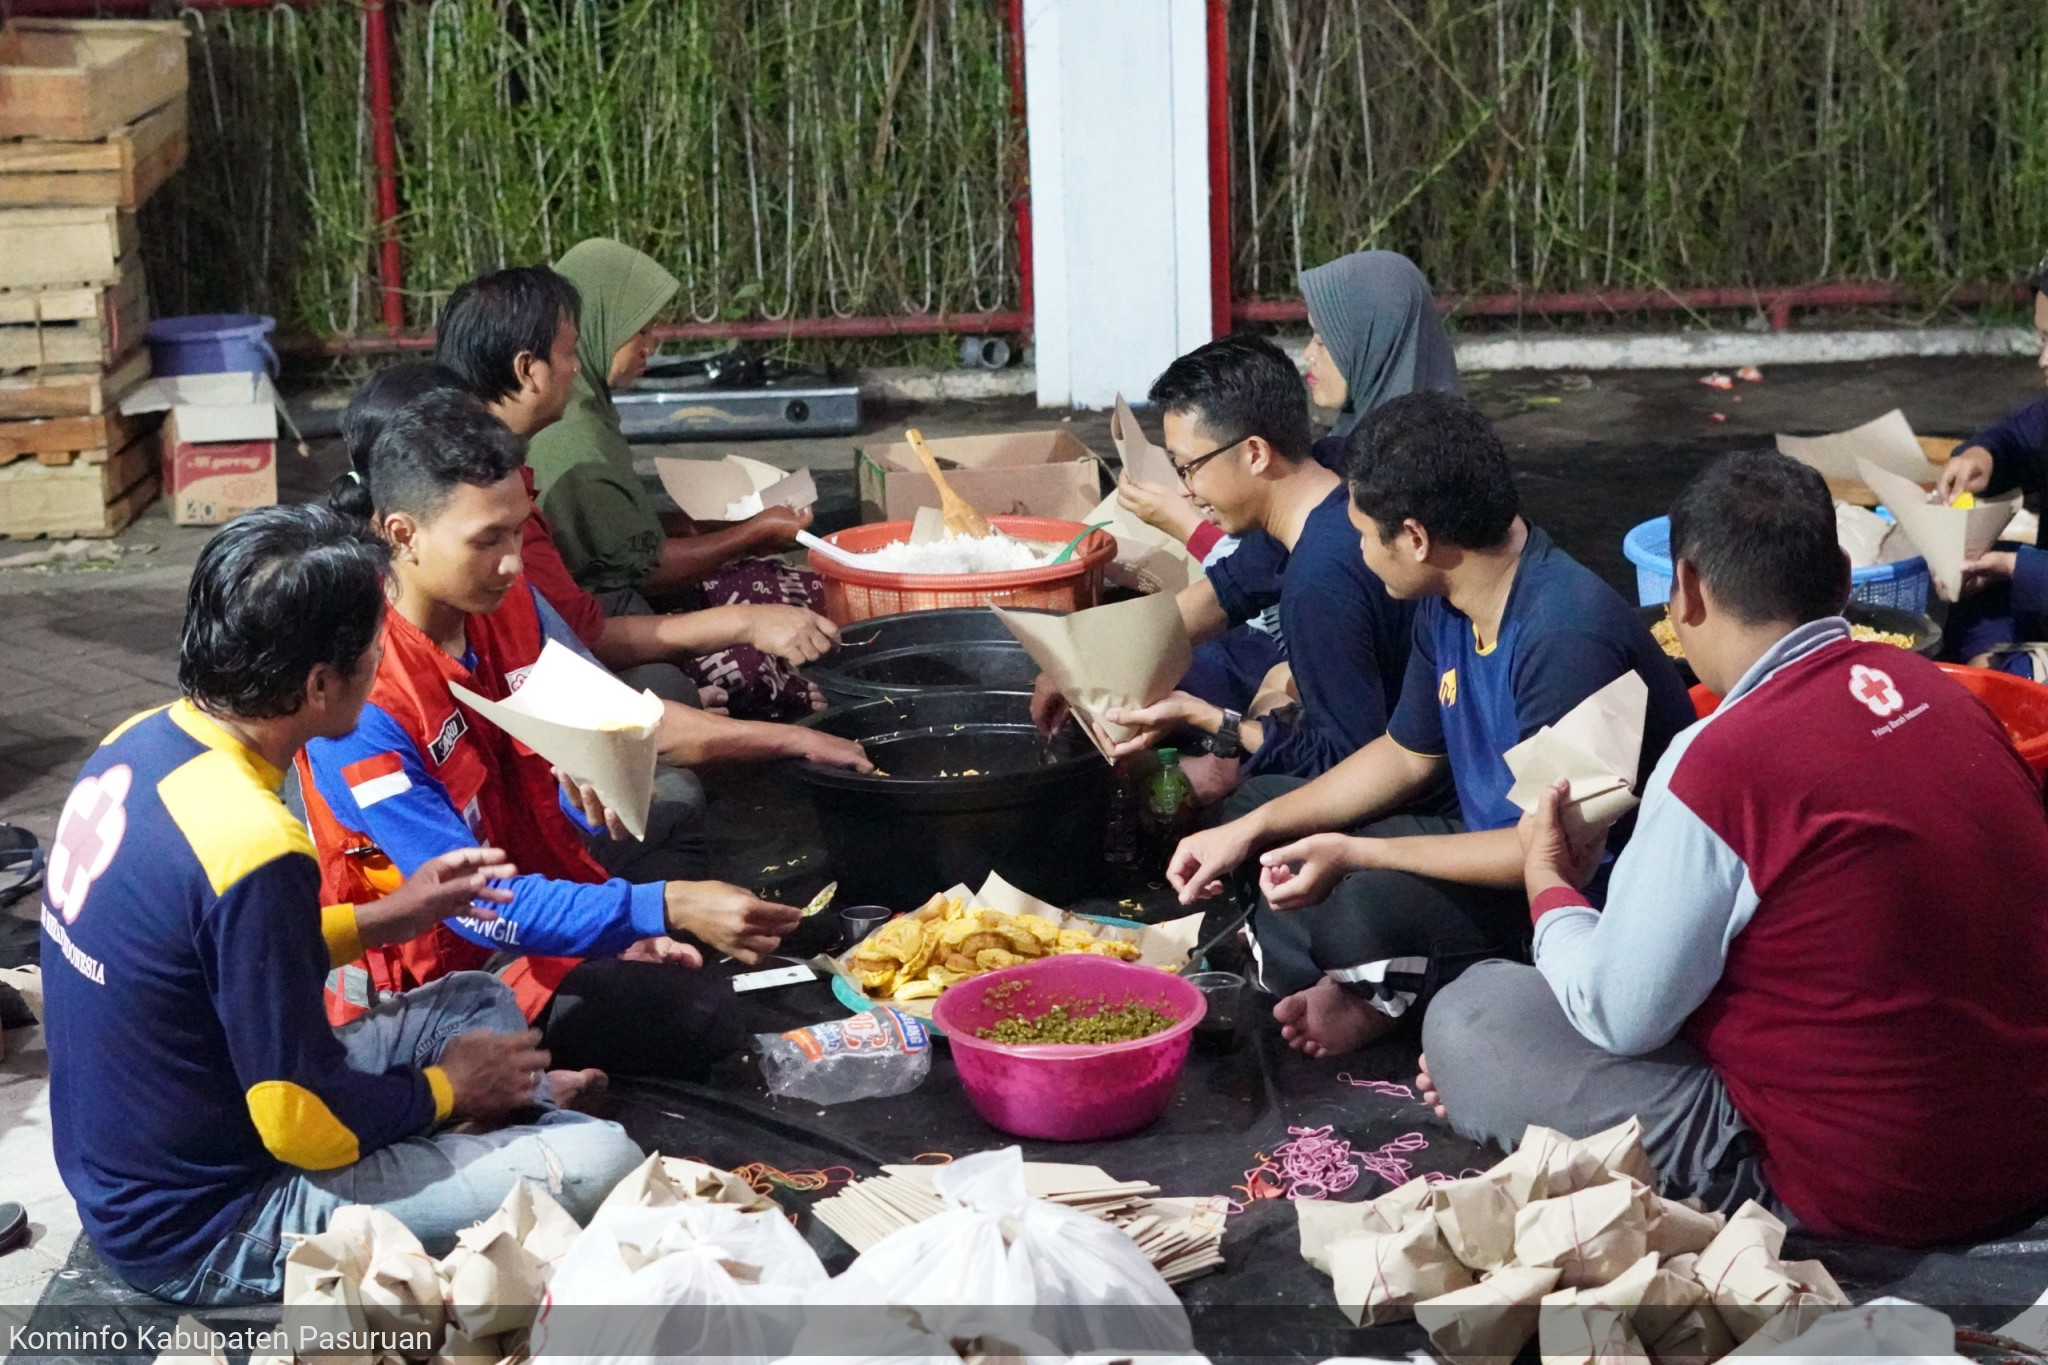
1776	303
1227	310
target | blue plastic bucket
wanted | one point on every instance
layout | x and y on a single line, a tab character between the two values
1903	584
211	343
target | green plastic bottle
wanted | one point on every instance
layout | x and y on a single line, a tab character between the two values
1168	812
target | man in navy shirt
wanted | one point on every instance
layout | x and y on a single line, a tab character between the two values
1237	429
1359	928
204	1112
2005	590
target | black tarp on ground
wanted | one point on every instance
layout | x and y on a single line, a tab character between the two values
1267	1302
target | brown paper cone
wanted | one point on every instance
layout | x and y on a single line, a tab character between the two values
1380	1278
1489	1321
1324	1221
1477	1218
1591	1235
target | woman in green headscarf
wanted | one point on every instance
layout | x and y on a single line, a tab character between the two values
627	553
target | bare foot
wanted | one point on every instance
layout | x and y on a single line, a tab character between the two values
1327	1021
1212	778
1426	1087
817	698
578	1090
716	700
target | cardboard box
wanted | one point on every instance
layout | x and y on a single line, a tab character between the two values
1021	473
211	407
82	79
210	482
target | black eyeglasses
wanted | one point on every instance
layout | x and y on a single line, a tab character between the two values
1187	471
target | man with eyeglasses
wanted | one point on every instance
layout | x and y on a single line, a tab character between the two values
1237	429
1369	907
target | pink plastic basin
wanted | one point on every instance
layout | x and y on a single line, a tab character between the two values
1069	1092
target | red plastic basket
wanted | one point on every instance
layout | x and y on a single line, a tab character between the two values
2020	705
853	594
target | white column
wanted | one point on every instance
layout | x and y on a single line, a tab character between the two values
1116	108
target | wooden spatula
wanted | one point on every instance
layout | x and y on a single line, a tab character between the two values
961	518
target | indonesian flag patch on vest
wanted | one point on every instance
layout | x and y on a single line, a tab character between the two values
374	778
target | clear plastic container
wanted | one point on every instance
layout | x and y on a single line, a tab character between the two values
880	1052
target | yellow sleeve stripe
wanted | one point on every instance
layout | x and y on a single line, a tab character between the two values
129	724
1417	752
444	1093
233	824
299	1129
344	938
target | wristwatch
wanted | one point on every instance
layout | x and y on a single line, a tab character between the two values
1225	742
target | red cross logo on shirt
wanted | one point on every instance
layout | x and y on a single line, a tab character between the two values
1873	687
88	834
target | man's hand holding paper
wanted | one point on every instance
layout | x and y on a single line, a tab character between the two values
587	723
1123	656
1594	750
1551	856
1952	538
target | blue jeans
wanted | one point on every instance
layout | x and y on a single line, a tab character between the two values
436	1185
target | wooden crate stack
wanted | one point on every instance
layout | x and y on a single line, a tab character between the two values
92	122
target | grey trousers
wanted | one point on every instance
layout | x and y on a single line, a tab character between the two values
1503	1056
1388	937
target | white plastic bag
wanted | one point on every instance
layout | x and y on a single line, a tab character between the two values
632	1261
997	1248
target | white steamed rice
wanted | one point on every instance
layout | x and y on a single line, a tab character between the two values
958	554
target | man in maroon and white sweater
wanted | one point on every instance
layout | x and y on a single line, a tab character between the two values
1821	974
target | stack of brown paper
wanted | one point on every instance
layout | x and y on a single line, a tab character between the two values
1887	442
1591	1235
585	722
1599	1267
368	1273
734	488
1492	1320
1749	1284
1147	558
1182	1237
1947	536
1381	1277
1595	747
1126	654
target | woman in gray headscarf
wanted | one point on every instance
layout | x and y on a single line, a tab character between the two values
1377	336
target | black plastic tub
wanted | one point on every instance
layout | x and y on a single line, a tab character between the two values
1892	620
955	649
1031	809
